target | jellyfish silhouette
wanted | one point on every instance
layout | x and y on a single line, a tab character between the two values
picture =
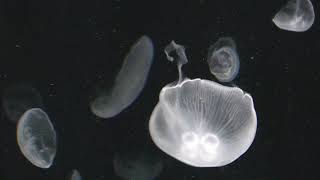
202	123
129	81
75	175
138	163
37	137
18	98
296	15
223	59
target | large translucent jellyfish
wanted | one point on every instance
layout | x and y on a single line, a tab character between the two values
203	123
137	164
223	59
19	98
296	15
37	138
129	81
75	175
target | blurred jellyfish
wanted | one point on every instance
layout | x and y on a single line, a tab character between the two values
203	123
296	15
37	138
129	81
137	164
75	175
19	98
223	59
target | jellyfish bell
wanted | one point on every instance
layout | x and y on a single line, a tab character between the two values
75	175
19	98
37	138
138	163
129	81
223	59
203	123
296	15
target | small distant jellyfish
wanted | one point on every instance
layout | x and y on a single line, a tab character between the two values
202	123
223	59
37	138
138	164
19	98
296	15
75	175
129	81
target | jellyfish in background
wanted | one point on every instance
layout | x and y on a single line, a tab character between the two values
138	163
202	123
75	175
223	59
129	81
37	137
296	15
18	98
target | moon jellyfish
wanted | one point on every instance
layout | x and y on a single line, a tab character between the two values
37	138
75	175
202	123
19	98
137	164
296	15
223	60
129	81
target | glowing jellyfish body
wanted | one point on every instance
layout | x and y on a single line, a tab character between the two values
75	175
203	123
296	15
37	138
19	98
129	81
223	60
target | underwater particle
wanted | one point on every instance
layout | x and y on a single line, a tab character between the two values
37	138
223	59
19	98
137	163
202	123
296	15
75	175
129	81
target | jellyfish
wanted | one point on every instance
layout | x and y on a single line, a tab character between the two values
129	81
19	98
223	59
37	137
202	123
296	15
75	175
138	163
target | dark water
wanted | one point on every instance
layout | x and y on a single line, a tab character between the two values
64	48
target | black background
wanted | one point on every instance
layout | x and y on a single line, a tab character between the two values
64	48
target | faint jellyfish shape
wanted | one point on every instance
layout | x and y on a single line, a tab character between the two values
203	123
18	98
129	81
37	138
75	175
296	15
138	164
223	59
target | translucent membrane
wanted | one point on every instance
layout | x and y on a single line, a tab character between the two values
223	59
19	98
296	15
37	138
137	164
203	123
129	81
75	175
